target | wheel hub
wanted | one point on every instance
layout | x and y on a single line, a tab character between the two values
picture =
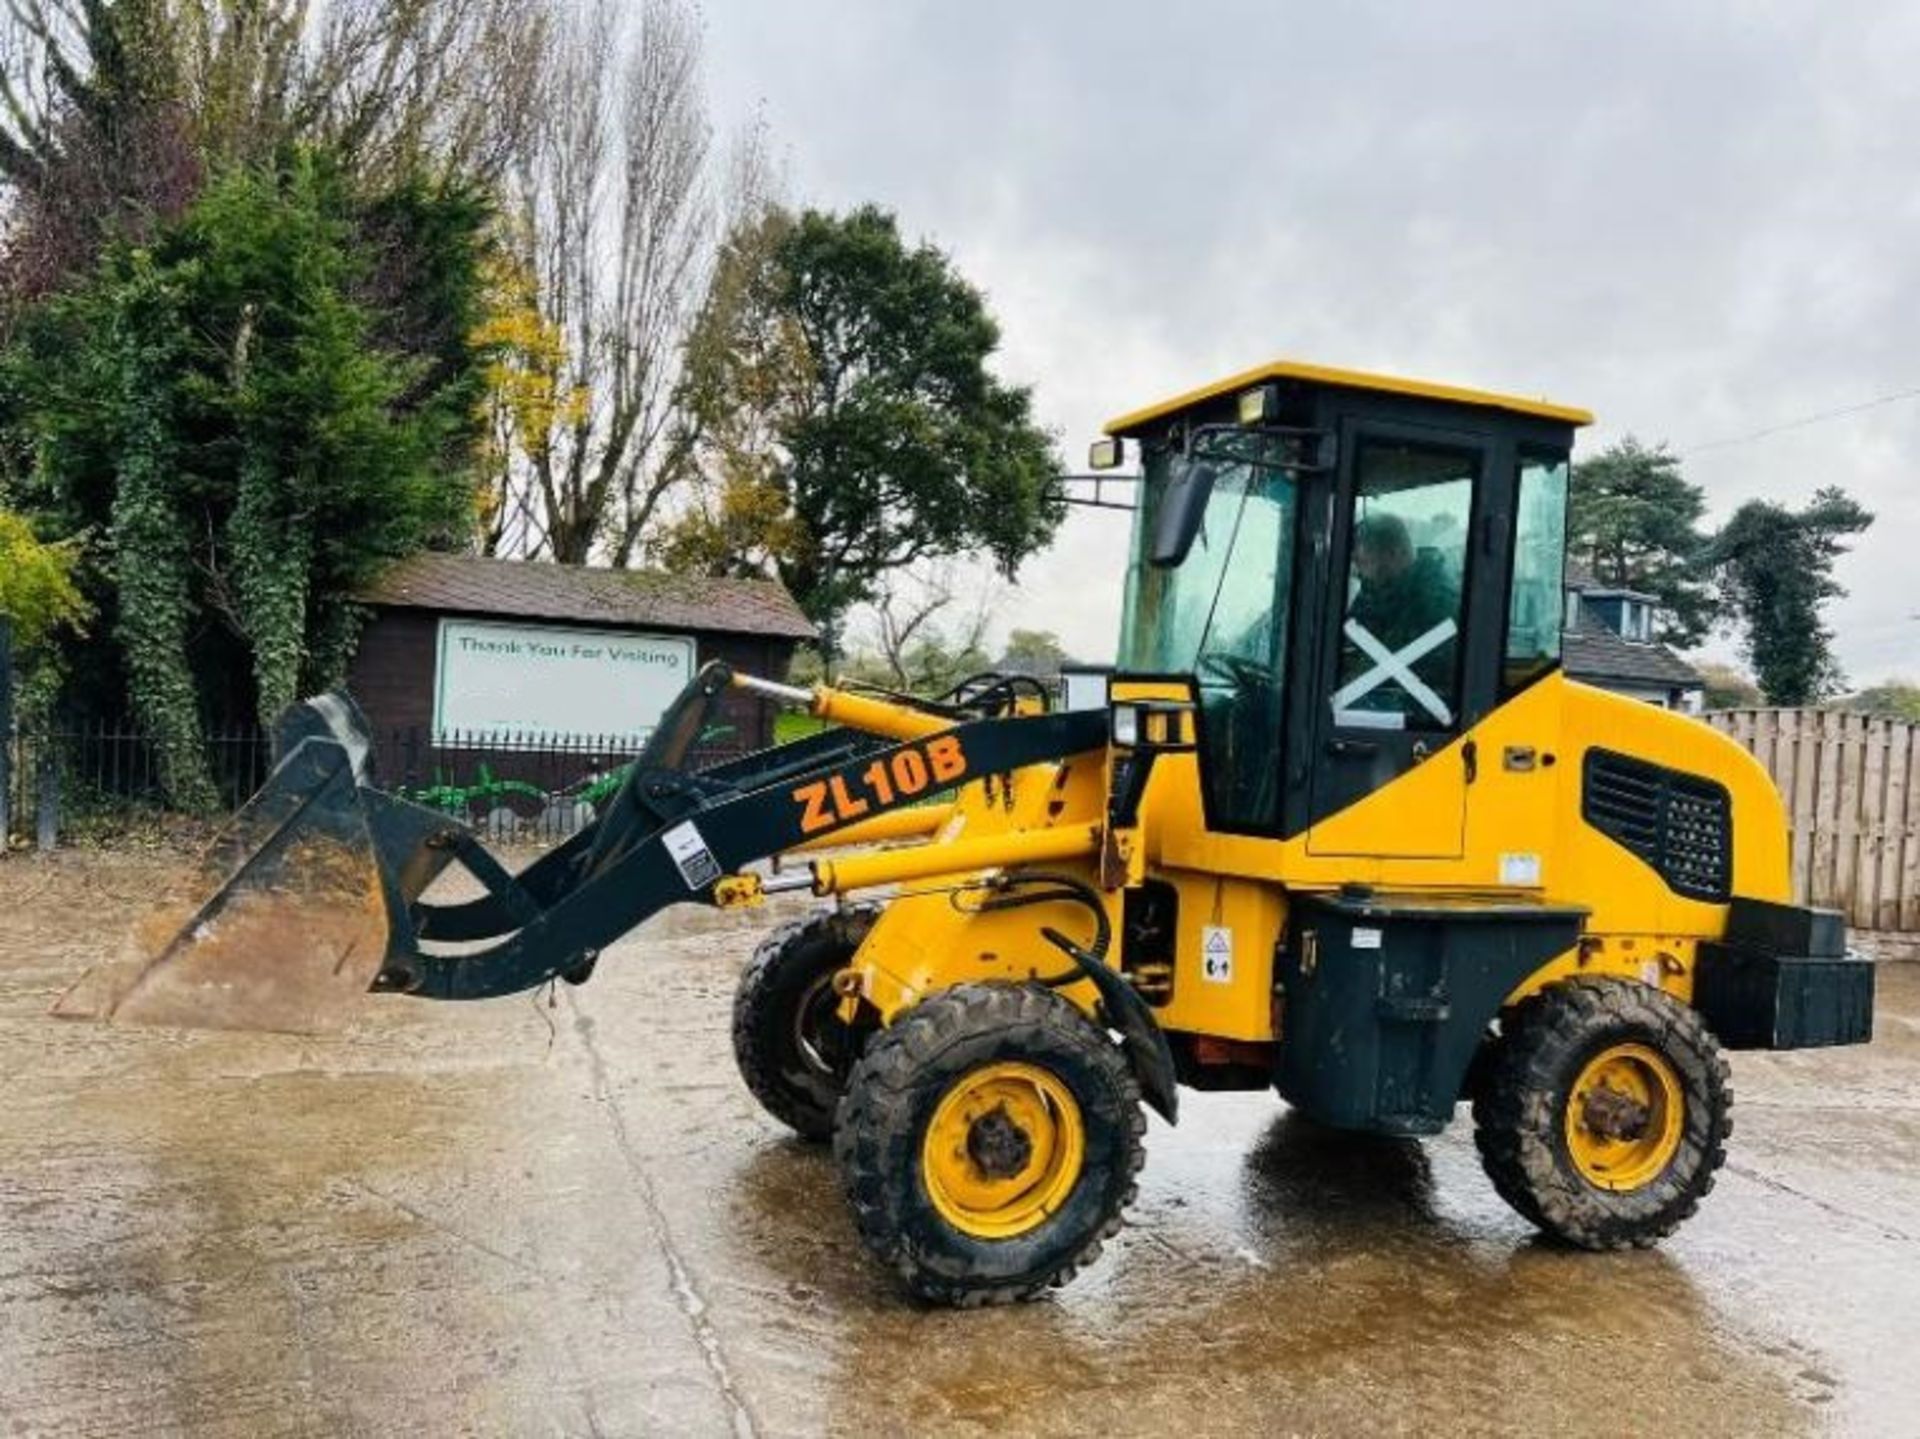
1625	1115
1613	1115
1003	1150
998	1146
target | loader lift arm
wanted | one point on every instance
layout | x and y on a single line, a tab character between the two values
657	789
670	835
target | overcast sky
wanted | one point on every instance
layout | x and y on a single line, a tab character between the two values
1698	221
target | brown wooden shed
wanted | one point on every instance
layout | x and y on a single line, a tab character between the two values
435	616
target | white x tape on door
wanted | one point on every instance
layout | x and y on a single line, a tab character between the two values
1395	666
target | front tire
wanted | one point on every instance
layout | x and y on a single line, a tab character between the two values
1604	1112
793	1049
988	1143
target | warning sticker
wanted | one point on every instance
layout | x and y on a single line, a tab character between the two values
689	849
1216	954
1365	938
1520	869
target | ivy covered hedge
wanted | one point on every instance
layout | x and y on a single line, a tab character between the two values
244	418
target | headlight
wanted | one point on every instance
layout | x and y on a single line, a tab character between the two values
1260	405
1126	726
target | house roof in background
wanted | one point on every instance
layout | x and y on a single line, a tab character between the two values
586	594
1594	651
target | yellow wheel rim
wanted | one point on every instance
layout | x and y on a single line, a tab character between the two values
1004	1150
1625	1115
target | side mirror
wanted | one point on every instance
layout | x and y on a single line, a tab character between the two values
1181	509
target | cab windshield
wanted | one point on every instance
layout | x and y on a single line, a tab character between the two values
1221	616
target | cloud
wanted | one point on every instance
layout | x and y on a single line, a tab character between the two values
1697	221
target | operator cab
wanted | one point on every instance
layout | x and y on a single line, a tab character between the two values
1353	570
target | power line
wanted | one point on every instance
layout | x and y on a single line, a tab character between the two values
1803	422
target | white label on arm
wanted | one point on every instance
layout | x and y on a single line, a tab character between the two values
691	856
1366	939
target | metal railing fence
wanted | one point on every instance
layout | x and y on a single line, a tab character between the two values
100	780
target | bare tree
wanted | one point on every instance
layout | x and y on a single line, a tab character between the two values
112	111
92	138
46	73
615	213
921	654
390	82
900	619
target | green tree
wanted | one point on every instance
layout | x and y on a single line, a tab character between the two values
38	595
220	407
862	403
1039	648
1634	520
747	377
1775	572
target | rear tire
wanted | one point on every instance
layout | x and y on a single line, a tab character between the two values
1604	1112
988	1143
793	1049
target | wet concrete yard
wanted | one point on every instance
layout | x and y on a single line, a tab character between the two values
527	1218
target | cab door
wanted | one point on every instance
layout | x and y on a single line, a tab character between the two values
1393	645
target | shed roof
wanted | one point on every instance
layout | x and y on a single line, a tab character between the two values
586	594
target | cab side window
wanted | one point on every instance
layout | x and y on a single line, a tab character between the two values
1537	599
1400	638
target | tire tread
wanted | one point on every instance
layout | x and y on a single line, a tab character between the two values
757	1000
1517	1114
875	1140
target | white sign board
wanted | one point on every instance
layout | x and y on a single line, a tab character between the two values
535	681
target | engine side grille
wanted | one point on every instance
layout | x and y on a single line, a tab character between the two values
1679	823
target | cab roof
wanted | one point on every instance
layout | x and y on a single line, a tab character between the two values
1352	380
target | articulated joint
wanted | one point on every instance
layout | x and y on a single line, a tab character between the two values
739	891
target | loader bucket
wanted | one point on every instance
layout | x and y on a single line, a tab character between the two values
289	917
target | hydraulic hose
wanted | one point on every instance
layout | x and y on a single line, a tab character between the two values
1064	887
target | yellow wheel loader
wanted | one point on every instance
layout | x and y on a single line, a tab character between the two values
1336	824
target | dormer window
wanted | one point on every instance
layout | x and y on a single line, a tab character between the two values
1636	621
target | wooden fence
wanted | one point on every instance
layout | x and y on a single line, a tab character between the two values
1852	787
